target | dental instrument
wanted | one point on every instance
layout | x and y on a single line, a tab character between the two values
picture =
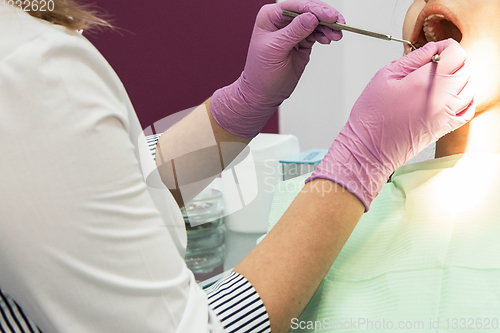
341	26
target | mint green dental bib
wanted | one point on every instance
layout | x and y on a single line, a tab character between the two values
425	258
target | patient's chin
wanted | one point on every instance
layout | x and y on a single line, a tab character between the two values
488	105
483	57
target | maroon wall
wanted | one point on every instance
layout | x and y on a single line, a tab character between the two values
172	55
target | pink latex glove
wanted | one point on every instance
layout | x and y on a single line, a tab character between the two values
408	105
278	54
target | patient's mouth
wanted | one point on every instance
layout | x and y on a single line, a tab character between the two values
437	27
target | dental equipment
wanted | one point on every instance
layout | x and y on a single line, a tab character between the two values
340	26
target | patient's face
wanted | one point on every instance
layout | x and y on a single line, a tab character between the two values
473	23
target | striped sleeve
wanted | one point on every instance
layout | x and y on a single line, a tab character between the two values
152	140
238	306
12	317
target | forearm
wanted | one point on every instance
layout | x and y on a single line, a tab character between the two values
287	267
194	151
278	54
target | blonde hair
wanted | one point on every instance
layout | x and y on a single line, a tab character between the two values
72	15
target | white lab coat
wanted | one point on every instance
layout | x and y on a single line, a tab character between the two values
85	245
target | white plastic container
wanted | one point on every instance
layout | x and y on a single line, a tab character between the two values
258	176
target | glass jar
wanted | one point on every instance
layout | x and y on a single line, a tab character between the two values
205	234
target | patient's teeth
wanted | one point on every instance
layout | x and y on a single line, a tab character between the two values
433	16
429	24
429	33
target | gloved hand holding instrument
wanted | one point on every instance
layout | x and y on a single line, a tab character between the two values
408	105
278	54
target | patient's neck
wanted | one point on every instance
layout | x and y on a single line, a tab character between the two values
481	134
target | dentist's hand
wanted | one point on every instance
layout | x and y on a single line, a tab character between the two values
278	54
408	105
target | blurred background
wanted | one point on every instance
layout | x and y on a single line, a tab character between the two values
172	55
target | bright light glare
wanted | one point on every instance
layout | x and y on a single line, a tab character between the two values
483	56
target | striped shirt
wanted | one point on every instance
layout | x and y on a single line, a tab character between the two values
152	140
12	317
238	305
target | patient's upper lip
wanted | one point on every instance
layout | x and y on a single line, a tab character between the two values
433	8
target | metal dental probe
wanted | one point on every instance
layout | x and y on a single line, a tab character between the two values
340	26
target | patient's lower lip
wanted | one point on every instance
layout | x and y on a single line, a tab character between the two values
418	45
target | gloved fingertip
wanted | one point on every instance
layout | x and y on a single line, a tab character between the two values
338	36
468	113
462	118
331	13
334	35
340	18
308	20
324	40
453	56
